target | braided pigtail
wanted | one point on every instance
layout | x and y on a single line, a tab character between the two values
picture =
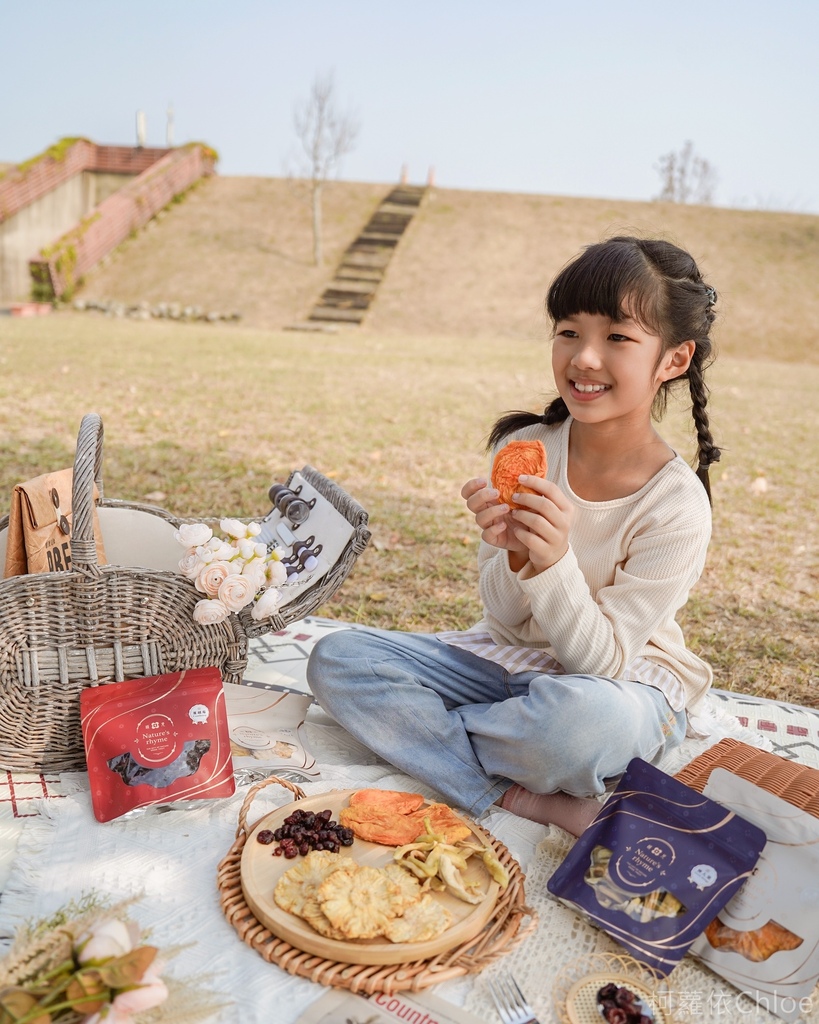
510	422
706	449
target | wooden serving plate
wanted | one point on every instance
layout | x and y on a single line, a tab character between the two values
260	871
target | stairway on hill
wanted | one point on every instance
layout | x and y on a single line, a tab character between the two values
348	296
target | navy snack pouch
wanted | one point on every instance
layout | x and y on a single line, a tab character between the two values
657	864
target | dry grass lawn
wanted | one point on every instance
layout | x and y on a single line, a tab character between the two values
396	412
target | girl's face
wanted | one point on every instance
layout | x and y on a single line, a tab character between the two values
606	370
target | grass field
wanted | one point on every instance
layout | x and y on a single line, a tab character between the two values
201	419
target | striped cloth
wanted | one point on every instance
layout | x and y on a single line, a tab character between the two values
530	659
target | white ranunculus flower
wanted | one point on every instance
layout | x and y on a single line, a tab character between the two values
255	570
191	535
224	552
260	550
233	528
106	939
254	529
209	612
237	591
267	604
246	548
276	573
211	577
190	565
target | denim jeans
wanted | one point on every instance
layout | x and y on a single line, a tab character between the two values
469	729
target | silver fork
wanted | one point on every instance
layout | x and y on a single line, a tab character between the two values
510	1002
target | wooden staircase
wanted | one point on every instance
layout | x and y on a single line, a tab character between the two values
347	297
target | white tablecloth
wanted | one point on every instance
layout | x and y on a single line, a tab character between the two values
170	859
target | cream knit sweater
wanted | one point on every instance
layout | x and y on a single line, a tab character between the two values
614	595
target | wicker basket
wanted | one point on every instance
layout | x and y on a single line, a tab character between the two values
796	783
63	631
511	922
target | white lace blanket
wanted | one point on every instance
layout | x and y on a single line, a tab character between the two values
170	858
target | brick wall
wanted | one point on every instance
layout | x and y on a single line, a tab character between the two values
19	188
64	262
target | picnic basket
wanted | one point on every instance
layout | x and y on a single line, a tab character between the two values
94	624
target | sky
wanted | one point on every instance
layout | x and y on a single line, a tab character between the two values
577	97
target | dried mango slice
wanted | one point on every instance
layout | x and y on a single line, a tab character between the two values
377	826
388	800
511	461
444	821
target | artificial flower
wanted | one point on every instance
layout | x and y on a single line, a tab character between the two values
266	605
233	528
107	938
231	571
209	612
191	535
236	591
190	565
211	577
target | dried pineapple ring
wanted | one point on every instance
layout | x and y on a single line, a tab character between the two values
300	883
358	901
424	920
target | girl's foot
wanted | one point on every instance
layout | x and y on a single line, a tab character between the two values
572	813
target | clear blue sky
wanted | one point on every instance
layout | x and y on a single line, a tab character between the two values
578	97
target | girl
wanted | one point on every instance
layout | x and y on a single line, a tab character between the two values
578	664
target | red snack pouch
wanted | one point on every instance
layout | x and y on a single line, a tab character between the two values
156	740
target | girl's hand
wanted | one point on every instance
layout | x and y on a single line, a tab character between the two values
492	517
542	526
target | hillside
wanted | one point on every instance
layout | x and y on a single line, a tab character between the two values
472	263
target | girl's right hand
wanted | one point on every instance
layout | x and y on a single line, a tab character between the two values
491	516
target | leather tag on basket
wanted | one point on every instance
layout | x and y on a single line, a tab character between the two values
796	783
39	530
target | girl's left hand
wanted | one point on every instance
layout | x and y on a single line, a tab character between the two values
542	526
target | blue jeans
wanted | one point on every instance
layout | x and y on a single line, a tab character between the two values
469	729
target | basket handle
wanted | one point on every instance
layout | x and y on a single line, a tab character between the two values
297	791
87	472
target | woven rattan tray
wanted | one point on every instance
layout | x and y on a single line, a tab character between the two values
511	921
796	783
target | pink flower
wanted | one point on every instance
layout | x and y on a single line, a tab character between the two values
151	992
209	612
211	577
190	565
236	591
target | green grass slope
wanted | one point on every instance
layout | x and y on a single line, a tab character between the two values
472	263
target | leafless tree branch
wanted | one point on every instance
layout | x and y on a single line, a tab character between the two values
326	135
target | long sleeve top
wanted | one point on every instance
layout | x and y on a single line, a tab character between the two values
608	606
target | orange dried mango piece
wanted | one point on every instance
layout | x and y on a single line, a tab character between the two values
388	800
511	461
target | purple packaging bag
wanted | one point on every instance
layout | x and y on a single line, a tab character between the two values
657	864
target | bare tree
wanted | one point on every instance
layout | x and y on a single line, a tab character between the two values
686	177
326	136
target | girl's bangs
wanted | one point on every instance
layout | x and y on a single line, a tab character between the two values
611	280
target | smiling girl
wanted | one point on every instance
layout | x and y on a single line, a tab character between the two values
578	664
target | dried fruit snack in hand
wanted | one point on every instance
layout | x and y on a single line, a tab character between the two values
514	459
